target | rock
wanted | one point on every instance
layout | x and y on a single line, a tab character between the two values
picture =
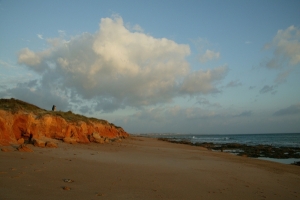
70	140
24	148
66	188
51	144
68	180
5	150
107	140
39	143
21	141
100	140
296	163
95	137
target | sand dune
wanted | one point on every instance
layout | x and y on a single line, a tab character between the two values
142	168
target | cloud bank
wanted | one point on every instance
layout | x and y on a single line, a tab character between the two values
115	68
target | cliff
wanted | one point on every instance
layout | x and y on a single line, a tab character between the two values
23	122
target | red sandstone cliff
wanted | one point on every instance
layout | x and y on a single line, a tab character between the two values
21	121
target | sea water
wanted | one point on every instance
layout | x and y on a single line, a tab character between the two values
276	140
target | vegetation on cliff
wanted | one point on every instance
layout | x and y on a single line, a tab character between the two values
14	105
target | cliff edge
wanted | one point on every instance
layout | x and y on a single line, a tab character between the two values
21	122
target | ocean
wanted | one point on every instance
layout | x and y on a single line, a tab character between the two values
276	140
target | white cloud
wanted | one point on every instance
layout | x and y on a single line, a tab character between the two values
203	81
40	36
135	28
288	43
286	52
116	67
29	58
209	55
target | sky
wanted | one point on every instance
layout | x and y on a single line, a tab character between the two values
190	67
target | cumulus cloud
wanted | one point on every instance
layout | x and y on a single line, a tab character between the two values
286	52
202	82
29	58
209	55
291	110
116	67
135	27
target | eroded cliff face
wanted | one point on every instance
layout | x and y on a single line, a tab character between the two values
23	124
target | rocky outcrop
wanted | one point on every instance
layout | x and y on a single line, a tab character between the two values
20	121
39	143
24	148
50	144
244	150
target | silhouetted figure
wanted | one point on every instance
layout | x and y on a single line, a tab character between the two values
53	108
30	138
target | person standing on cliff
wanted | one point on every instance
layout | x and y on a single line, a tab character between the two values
53	108
30	138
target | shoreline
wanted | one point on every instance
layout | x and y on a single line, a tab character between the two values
265	152
142	168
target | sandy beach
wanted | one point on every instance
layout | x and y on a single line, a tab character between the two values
141	168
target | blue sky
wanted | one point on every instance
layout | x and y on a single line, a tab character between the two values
206	67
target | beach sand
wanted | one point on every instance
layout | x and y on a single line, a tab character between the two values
142	168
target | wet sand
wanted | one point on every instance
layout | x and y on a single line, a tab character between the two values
142	168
